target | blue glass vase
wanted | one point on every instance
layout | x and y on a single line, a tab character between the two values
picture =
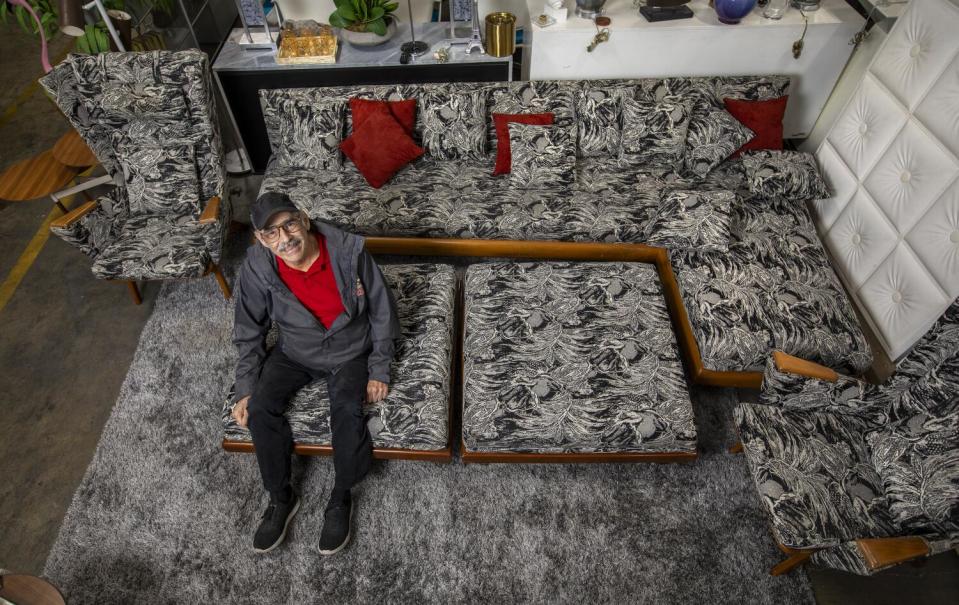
731	11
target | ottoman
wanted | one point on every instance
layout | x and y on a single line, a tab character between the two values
572	362
413	421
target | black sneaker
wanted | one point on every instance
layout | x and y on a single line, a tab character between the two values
336	525
276	519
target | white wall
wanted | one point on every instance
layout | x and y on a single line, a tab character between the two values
422	9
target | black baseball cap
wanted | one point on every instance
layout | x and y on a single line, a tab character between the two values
269	204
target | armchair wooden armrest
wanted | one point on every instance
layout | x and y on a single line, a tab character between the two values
883	552
211	211
74	215
795	365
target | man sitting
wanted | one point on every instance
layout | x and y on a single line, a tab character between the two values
337	320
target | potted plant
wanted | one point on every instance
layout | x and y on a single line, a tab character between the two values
364	22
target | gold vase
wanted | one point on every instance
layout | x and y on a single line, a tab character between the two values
500	34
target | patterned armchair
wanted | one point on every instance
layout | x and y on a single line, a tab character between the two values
856	476
150	119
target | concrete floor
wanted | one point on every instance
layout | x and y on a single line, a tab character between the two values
66	341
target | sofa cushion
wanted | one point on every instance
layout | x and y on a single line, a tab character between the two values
543	157
918	460
598	119
310	134
380	146
694	220
571	357
161	102
793	174
504	159
156	247
774	289
814	475
415	413
765	118
712	138
654	132
453	124
403	111
160	180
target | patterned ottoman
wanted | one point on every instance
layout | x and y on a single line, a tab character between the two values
413	421
572	361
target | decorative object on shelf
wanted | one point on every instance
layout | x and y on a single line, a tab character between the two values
602	33
798	44
809	5
775	9
500	34
414	47
476	41
589	9
731	12
556	10
256	32
544	20
663	10
306	41
365	22
442	54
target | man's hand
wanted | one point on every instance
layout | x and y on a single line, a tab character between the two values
239	411
376	391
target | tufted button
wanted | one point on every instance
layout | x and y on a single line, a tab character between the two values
954	237
915	50
905	176
863	128
897	296
856	239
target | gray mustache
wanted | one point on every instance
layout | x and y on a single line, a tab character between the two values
288	245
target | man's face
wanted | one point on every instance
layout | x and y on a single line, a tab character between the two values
285	235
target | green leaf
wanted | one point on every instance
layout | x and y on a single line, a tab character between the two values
337	21
390	6
377	12
377	26
346	11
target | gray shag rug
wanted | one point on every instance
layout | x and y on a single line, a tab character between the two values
164	515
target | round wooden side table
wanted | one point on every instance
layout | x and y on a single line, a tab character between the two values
29	590
34	178
71	151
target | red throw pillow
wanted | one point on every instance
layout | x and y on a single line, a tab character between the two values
379	147
765	118
404	111
504	159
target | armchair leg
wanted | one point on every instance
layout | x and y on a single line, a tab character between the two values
224	287
794	560
134	292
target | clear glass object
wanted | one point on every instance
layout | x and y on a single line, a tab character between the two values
775	9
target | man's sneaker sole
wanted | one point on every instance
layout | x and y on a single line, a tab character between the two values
349	532
286	526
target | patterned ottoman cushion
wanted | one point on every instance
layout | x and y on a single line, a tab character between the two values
571	357
415	414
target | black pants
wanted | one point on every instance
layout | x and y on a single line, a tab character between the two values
279	380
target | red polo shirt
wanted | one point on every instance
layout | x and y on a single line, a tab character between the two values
316	287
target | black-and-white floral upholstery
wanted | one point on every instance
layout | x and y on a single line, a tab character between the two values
415	414
571	357
772	288
839	461
543	157
150	120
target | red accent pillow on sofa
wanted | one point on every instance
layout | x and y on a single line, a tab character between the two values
379	147
504	158
404	111
765	118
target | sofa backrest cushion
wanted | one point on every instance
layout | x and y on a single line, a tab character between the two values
452	124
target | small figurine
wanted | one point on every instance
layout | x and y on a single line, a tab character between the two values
442	54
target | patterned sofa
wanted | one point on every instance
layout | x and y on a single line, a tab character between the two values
572	361
413	421
773	288
859	476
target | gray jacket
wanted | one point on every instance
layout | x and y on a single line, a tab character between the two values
368	323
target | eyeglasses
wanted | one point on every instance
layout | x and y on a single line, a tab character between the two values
270	234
